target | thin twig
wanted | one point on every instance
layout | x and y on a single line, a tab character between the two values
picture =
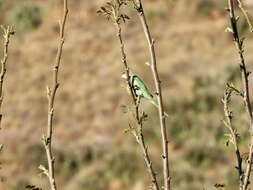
8	32
245	80
245	13
144	148
234	136
140	135
249	166
112	11
157	81
51	93
239	45
124	61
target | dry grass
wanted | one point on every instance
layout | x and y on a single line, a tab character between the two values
193	53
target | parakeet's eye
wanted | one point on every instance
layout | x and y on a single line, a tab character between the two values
136	87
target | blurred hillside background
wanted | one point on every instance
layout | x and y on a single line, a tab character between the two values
195	59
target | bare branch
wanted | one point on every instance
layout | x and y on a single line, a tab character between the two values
245	80
112	11
124	61
139	134
51	93
234	136
7	33
151	42
144	148
245	13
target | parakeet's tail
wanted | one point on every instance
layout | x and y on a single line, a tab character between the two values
154	102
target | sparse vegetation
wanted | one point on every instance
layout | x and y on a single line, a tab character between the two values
7	33
26	16
91	149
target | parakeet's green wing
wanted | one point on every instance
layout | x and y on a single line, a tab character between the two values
141	89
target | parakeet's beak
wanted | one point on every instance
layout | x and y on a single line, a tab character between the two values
124	76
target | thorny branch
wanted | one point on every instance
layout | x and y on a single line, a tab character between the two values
138	133
245	13
51	93
239	43
112	11
157	81
233	133
7	33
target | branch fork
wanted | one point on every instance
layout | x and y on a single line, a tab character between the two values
244	175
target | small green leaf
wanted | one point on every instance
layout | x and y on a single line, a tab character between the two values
147	63
44	139
228	29
43	169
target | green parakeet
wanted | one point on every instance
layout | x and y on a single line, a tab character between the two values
140	89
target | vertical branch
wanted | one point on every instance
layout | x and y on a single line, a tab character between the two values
141	140
151	42
8	32
144	148
124	60
245	82
147	160
233	134
249	166
51	93
239	45
112	11
245	13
